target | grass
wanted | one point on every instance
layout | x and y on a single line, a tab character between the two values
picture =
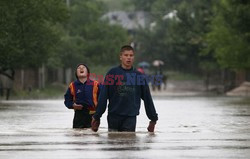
52	91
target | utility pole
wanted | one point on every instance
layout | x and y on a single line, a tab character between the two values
68	3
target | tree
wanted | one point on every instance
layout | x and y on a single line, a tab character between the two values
89	38
143	5
177	33
229	37
28	31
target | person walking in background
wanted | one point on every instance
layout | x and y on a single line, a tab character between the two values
124	96
141	70
82	96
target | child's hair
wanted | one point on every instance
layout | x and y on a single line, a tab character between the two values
83	65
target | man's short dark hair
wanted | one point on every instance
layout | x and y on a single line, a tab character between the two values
126	48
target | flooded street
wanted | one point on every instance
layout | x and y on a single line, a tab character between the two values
188	127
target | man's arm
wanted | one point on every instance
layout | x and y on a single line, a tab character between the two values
148	102
150	108
102	104
101	107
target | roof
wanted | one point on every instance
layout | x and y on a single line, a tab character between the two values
128	20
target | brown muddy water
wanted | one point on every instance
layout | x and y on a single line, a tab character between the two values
188	127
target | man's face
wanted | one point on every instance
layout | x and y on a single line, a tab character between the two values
127	58
81	71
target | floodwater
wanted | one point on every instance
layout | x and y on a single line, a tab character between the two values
188	127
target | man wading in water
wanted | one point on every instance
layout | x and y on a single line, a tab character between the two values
124	95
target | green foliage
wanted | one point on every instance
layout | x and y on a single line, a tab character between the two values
35	32
51	91
186	36
88	38
27	31
99	70
177	36
144	5
230	34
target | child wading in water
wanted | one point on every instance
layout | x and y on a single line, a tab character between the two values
82	96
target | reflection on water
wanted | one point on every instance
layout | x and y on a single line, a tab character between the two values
196	127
